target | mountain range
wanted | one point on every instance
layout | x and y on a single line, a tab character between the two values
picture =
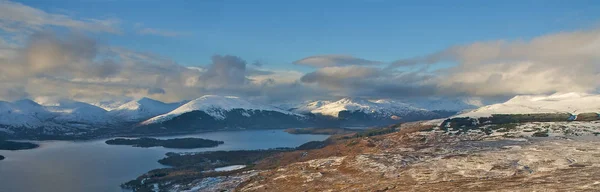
213	112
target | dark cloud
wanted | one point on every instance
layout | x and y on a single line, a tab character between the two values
152	91
14	93
253	71
370	82
225	70
334	60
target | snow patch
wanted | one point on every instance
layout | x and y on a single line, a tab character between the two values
229	168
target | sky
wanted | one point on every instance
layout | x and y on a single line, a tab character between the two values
296	50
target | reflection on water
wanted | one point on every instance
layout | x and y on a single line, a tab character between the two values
95	166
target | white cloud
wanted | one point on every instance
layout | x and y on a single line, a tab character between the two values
16	17
561	62
77	67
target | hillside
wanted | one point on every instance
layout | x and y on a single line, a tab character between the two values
572	103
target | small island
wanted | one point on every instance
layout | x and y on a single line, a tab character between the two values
178	143
1	157
16	145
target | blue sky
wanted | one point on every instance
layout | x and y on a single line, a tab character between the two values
109	50
280	32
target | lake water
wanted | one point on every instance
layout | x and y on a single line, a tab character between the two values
94	166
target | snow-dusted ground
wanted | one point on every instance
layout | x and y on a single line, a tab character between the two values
526	130
229	168
209	184
574	103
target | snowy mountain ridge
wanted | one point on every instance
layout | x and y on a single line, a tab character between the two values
307	106
22	114
79	112
574	103
381	107
142	109
216	106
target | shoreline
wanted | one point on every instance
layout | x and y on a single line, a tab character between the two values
137	135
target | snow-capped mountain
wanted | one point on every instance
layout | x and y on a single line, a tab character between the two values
307	106
109	105
142	109
211	112
380	108
574	103
23	113
217	107
75	112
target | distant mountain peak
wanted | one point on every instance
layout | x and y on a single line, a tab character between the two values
142	109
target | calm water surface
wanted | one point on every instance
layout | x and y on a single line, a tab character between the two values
94	166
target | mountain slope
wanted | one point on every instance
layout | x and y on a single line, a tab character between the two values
308	106
573	103
380	108
142	109
217	107
75	112
23	113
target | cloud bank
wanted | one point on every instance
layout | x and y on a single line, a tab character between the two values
334	60
78	67
561	62
37	62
